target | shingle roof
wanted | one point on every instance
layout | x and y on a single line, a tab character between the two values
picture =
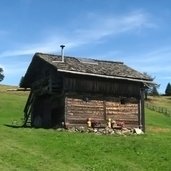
96	68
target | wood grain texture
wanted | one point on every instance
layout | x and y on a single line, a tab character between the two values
100	109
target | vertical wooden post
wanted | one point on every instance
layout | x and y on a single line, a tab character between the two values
65	111
142	110
139	112
50	83
104	109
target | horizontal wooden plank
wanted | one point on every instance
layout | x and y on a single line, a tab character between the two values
85	116
75	112
84	105
123	106
83	101
131	126
121	113
79	107
76	121
131	115
127	121
85	108
76	125
69	100
122	118
83	121
119	102
120	105
84	113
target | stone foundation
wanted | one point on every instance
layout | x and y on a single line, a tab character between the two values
100	131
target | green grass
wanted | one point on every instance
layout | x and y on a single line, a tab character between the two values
46	149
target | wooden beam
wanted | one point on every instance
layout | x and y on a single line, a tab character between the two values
142	110
65	110
106	76
19	89
139	113
104	109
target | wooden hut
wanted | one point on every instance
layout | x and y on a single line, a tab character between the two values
66	93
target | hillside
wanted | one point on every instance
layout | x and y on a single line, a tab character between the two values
48	149
4	88
161	101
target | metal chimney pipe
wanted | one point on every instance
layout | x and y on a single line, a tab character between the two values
62	52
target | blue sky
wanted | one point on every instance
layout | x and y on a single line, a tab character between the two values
136	32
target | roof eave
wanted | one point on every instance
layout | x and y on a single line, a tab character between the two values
106	76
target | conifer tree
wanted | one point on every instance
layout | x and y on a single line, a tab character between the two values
1	74
168	90
154	91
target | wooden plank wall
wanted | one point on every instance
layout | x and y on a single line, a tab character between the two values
128	113
102	86
78	111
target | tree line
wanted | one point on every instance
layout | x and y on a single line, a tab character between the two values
152	91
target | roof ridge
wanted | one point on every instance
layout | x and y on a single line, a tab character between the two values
78	57
109	61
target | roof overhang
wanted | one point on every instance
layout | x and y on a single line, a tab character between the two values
106	76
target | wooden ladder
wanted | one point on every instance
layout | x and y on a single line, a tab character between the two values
28	109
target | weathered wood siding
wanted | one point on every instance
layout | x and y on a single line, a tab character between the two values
44	79
128	113
78	110
101	86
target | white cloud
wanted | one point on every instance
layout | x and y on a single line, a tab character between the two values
29	49
162	54
103	26
15	68
96	29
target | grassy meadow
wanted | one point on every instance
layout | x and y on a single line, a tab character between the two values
163	101
46	149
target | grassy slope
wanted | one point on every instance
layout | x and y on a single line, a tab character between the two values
40	149
162	101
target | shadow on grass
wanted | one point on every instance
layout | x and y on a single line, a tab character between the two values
16	126
22	126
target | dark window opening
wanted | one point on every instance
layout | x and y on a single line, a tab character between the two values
123	101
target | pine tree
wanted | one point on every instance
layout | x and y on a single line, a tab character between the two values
154	91
168	90
1	74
